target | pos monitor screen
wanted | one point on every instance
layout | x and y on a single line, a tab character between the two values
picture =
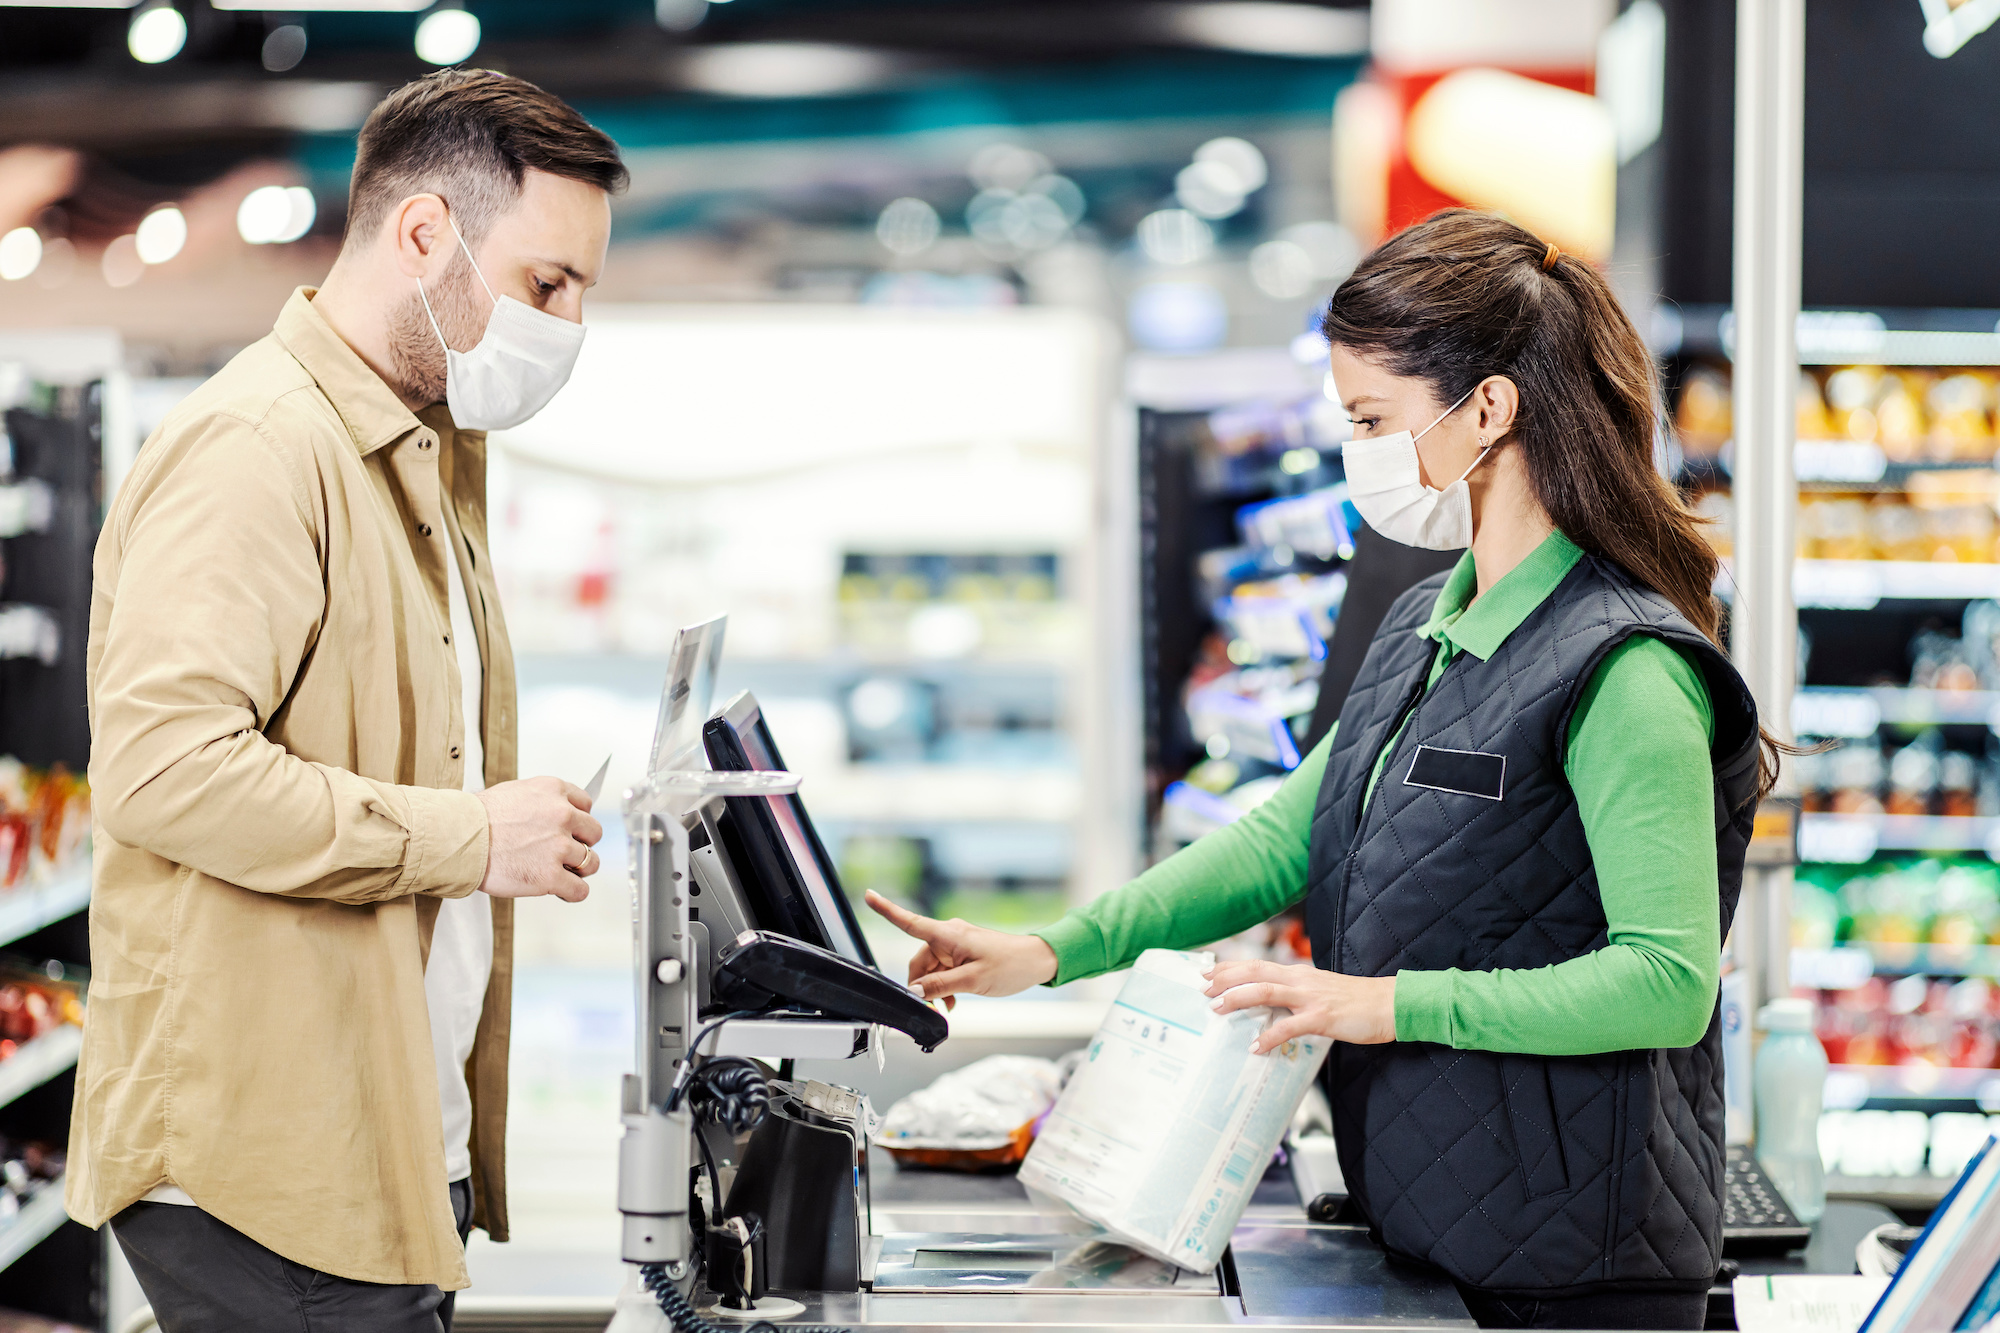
792	883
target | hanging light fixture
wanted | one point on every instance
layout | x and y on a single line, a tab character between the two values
1948	26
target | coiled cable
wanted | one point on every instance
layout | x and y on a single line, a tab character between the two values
680	1312
729	1091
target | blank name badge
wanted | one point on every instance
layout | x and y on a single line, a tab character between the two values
1465	772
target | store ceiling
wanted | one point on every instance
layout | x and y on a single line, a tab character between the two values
718	120
66	75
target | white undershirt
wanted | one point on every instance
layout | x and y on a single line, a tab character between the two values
461	959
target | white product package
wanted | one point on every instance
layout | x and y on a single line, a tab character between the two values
1166	1129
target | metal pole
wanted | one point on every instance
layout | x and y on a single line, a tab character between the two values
1770	137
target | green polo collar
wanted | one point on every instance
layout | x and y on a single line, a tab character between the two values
1480	627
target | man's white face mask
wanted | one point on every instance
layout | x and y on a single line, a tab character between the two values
1386	482
522	359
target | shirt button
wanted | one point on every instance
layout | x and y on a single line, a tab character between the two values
454	752
423	444
423	529
447	638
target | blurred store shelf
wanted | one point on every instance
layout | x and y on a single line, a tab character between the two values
1913	1192
1860	584
1825	710
1845	463
39	1061
1852	1085
28	1228
1852	839
1849	965
945	793
27	908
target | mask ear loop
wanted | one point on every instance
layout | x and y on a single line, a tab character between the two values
1441	416
496	300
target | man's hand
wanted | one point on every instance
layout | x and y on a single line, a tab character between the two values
542	834
1361	1010
959	957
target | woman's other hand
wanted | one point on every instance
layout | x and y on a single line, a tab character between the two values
1361	1010
959	958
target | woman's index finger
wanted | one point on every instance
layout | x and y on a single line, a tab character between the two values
902	918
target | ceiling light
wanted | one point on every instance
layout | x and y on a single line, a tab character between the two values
679	15
1240	158
20	253
447	36
1209	190
1033	222
1544	156
156	35
1065	194
275	214
284	48
1005	166
161	235
121	263
1177	316
1175	236
328	6
1281	269
907	226
783	69
1948	26
1331	247
1271	29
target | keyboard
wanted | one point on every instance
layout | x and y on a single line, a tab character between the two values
1755	1217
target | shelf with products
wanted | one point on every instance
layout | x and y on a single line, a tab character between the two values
34	1222
27	908
1245	535
1895	462
1880	336
1848	712
38	1060
55	440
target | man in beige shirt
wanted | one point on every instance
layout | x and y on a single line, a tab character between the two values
291	1100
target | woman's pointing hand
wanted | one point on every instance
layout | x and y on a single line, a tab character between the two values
959	958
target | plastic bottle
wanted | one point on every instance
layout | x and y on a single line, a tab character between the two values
1790	1085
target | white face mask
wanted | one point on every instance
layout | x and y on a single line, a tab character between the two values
521	360
1386	482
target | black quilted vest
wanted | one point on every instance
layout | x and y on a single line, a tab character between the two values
1514	1173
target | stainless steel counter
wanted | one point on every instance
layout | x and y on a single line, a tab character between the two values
1287	1273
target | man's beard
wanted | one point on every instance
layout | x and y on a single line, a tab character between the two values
416	358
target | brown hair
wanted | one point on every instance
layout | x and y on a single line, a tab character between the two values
470	136
1465	295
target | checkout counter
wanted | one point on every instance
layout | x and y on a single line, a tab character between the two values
749	1195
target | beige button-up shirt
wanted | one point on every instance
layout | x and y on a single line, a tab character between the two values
276	771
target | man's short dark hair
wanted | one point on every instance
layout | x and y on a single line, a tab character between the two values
470	136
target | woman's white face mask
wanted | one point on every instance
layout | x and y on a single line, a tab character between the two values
1385	480
522	359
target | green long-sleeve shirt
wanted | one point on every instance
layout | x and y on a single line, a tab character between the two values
1638	761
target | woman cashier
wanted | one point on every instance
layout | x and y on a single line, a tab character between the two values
1522	844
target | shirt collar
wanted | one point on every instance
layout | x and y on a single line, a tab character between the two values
1480	627
372	412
